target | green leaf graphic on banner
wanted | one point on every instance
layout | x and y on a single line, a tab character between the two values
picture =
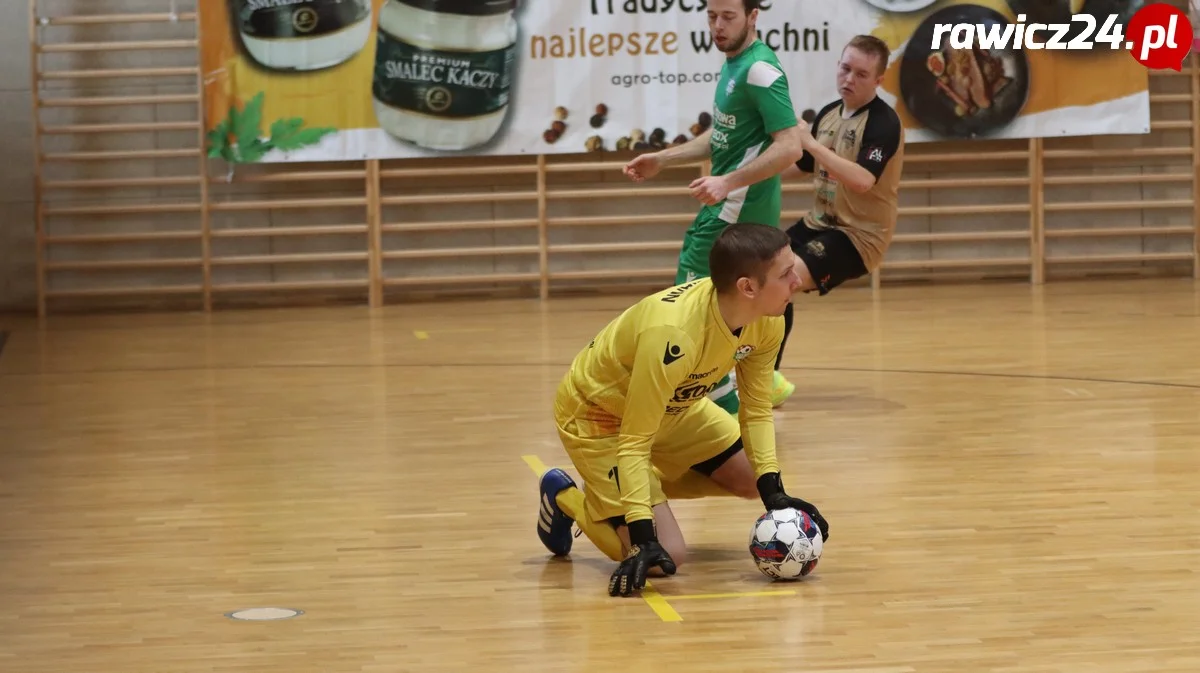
248	125
238	139
284	128
218	142
289	134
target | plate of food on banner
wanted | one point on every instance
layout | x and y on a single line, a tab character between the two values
960	89
900	6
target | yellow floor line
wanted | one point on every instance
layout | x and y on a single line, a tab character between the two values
657	602
735	594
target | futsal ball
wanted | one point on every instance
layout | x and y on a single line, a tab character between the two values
785	544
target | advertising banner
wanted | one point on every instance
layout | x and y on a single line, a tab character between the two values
329	80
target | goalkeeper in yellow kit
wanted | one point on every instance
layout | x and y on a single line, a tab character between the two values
634	415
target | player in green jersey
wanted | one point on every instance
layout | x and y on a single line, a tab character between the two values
755	135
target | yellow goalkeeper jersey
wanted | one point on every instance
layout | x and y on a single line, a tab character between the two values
657	359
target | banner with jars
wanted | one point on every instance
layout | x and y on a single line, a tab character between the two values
329	80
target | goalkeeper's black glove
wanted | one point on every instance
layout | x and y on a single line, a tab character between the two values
644	553
770	489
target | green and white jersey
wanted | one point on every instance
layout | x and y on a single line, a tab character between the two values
752	102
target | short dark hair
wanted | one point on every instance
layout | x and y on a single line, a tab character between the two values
871	45
744	250
751	5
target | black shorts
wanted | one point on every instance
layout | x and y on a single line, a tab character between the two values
829	254
709	466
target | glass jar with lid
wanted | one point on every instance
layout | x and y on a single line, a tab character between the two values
303	34
444	70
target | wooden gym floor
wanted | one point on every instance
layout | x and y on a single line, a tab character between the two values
1011	473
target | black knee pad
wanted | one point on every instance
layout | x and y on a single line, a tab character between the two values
709	466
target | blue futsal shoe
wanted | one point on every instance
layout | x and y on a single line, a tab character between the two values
554	526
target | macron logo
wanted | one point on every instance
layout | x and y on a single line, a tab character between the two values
672	354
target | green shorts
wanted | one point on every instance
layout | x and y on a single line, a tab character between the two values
697	242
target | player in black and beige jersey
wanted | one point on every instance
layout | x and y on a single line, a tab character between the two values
855	154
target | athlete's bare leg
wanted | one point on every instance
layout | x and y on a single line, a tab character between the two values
669	536
736	476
